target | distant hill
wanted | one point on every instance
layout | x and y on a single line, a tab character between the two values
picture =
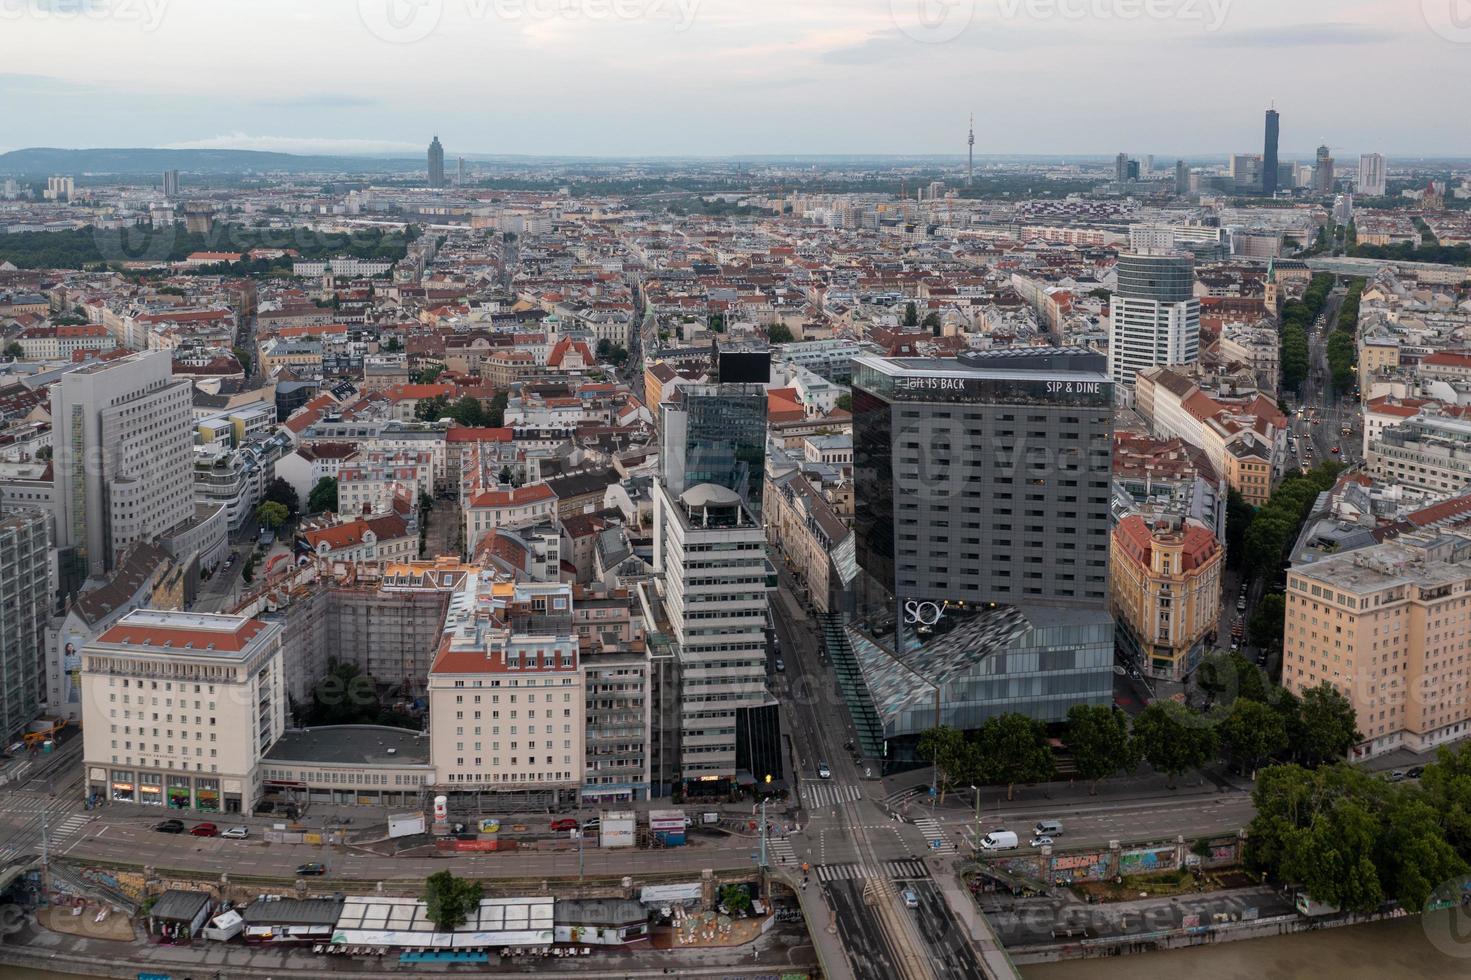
46	161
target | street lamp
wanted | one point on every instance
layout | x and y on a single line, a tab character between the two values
977	792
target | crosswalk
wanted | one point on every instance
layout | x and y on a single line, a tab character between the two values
819	793
895	800
18	803
900	870
69	828
935	836
780	851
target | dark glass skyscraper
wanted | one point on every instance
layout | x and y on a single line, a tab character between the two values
1269	154
715	433
436	164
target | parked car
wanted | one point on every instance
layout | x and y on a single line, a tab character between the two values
204	830
592	823
236	833
312	870
1414	772
564	823
824	771
1397	775
169	827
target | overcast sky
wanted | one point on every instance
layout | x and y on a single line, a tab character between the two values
732	77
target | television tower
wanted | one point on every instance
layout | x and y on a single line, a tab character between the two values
970	169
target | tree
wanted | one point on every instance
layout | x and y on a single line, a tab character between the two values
495	415
1251	732
932	323
431	409
243	356
467	411
779	333
283	493
735	898
1173	740
953	756
1266	624
323	496
1098	737
1013	749
1414	855
1333	858
1239	515
845	401
451	899
393	345
1447	785
14	350
911	315
1227	677
272	514
1327	728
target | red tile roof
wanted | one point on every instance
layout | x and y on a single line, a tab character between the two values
178	638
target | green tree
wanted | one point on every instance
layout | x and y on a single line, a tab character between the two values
1098	737
14	350
1327	728
1251	732
1013	749
932	323
323	496
1239	515
272	514
431	409
845	401
392	345
467	411
495	415
1173	740
280	492
735	898
1414	855
243	356
1447	785
1333	858
1266	624
779	333
953	756
911	315
451	900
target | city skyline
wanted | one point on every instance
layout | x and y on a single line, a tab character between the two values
752	79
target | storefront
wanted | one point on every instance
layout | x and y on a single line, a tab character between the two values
181	794
121	788
207	795
150	789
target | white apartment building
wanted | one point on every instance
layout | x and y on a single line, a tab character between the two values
712	553
124	457
369	482
178	709
1154	315
1373	175
506	693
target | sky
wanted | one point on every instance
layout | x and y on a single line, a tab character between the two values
733	77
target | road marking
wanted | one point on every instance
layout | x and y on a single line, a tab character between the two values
908	870
934	836
780	848
841	872
820	793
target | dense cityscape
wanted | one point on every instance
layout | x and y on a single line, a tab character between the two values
872	566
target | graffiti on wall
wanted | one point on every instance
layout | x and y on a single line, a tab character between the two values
1080	867
1147	860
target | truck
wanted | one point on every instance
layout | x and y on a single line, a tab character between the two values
999	840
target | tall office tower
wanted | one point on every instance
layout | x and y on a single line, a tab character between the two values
1323	171
1246	171
123	457
716	433
1269	153
1155	315
1373	175
1121	168
982	526
710	555
460	177
970	167
436	163
24	607
170	184
1148	167
1182	178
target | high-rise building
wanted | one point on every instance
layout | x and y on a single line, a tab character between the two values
714	433
460	176
24	607
60	188
1246	171
1182	178
436	163
710	554
1121	168
1154	314
1388	627
1269	153
1373	175
171	184
123	456
209	759
982	529
1323	179
970	167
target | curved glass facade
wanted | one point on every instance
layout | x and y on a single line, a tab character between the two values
1161	278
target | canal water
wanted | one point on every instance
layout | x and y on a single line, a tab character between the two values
1398	948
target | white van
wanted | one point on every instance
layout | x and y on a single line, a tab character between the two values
999	840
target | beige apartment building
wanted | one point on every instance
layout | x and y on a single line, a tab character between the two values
178	709
1389	627
507	695
1165	590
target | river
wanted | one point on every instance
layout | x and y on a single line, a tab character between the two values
1398	948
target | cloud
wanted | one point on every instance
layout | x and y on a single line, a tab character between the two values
319	102
1299	36
296	144
894	44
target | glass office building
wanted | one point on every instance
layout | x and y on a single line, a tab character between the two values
715	434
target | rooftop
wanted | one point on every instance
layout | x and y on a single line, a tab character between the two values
354	745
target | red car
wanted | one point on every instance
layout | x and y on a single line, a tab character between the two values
564	823
205	830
